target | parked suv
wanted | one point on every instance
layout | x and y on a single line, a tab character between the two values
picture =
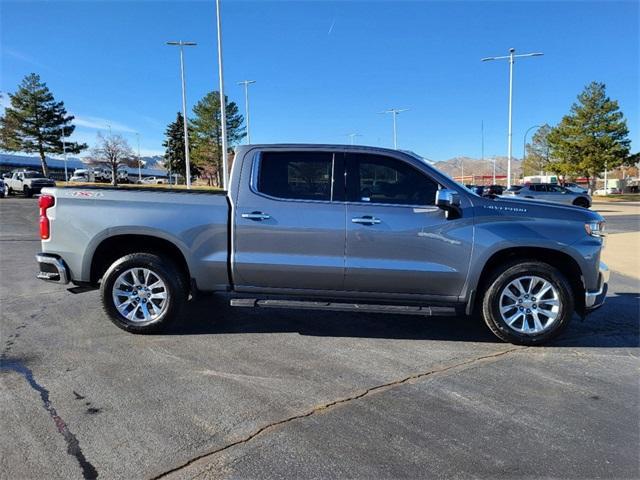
551	192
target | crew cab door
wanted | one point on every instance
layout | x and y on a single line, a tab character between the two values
398	241
290	222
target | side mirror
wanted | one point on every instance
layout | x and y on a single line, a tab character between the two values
449	201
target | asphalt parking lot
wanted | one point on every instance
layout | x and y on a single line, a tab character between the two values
240	393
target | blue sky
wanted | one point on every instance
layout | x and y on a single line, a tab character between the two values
324	69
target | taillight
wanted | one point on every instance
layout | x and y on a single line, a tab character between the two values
46	201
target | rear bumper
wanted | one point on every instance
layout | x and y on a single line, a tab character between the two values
595	299
52	268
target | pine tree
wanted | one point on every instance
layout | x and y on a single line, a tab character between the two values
36	122
594	136
207	135
174	148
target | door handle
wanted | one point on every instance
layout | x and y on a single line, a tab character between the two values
366	220
258	216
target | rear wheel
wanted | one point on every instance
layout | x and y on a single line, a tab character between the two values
142	293
581	202
26	191
527	303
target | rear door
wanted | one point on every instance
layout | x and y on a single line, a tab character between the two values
290	222
398	241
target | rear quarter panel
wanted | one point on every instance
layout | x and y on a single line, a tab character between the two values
196	223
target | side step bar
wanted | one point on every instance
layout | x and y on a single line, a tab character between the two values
344	307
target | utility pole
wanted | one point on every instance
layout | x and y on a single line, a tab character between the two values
64	150
182	44
223	101
139	166
246	84
511	57
394	112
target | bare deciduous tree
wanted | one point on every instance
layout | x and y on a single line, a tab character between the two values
112	151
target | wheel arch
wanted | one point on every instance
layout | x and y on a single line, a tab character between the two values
564	262
116	246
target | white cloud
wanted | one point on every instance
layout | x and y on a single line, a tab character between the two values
97	123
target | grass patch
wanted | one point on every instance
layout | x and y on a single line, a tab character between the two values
623	197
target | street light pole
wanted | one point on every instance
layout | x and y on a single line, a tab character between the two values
64	150
246	84
394	112
139	167
511	57
223	101
182	44
524	145
352	136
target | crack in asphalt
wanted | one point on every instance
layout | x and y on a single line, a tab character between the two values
341	401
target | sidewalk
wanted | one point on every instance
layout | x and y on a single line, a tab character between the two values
622	253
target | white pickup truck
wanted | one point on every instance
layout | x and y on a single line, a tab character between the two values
27	182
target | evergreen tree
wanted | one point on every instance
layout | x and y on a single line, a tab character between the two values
207	134
592	136
538	152
35	122
174	148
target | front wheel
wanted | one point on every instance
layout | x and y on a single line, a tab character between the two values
27	192
527	303
142	293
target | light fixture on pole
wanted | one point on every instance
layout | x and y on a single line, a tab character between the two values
182	44
394	112
223	102
139	167
352	136
246	84
64	151
524	143
511	57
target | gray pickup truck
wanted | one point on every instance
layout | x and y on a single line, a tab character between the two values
328	227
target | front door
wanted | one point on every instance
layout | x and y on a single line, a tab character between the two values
290	224
398	241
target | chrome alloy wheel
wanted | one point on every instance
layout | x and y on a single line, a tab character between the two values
140	295
529	305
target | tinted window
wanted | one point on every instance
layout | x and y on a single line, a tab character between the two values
379	179
296	175
556	188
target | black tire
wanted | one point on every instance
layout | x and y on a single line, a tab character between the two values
9	192
27	191
502	277
581	202
161	268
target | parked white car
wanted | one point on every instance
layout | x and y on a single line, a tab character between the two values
607	191
153	180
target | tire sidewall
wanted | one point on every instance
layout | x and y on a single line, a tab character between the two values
164	270
491	302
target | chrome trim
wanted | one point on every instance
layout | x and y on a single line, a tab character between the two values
590	298
62	271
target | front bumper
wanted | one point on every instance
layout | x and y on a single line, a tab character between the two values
595	299
52	268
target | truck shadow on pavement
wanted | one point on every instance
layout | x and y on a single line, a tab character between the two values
616	325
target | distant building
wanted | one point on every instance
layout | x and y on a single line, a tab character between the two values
9	162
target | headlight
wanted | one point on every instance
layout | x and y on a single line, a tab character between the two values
595	228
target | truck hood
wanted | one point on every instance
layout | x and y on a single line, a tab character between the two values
539	209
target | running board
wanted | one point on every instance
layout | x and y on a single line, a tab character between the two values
344	307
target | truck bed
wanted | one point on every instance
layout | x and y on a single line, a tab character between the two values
195	221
